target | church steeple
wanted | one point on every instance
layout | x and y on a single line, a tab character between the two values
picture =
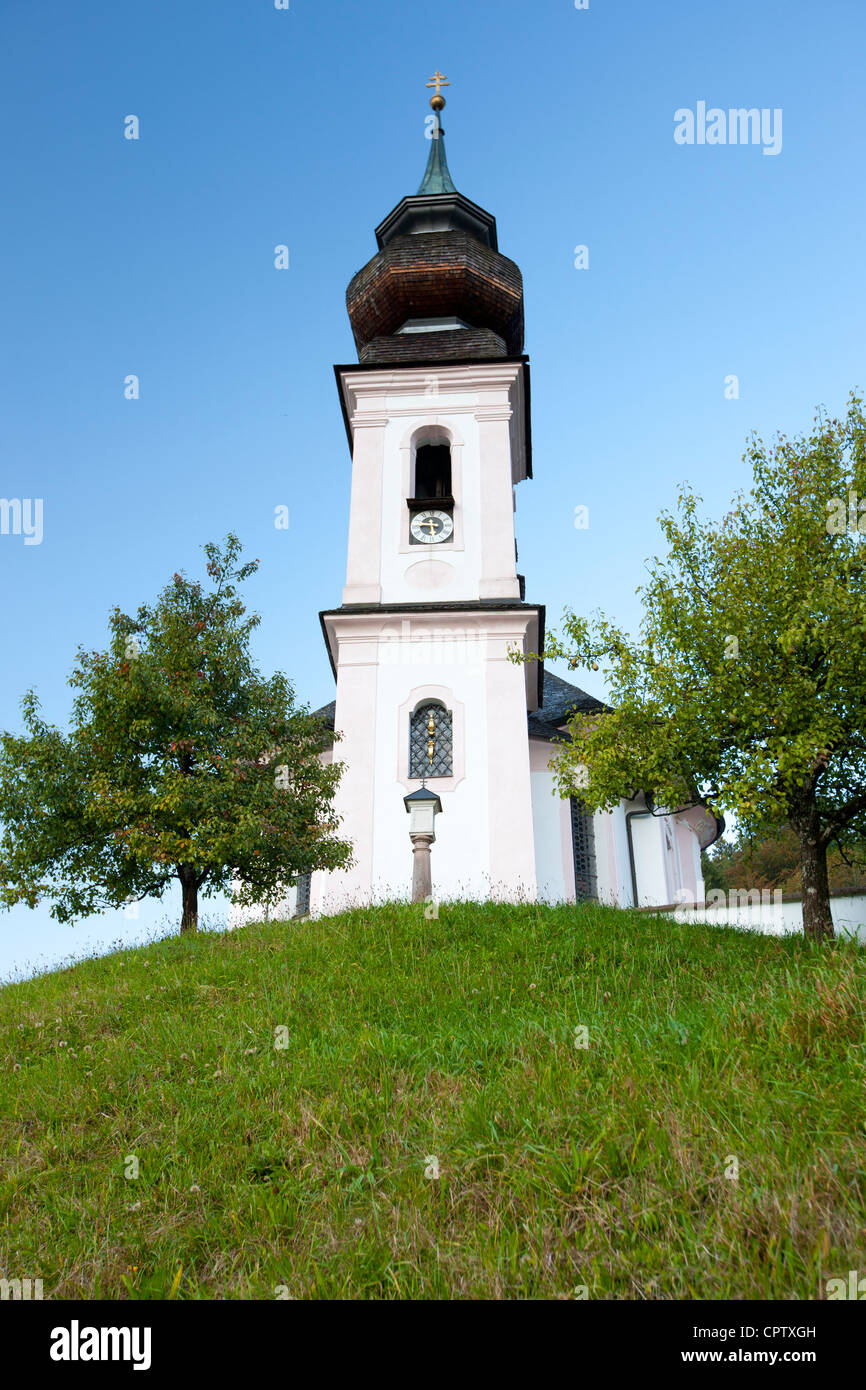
438	178
438	288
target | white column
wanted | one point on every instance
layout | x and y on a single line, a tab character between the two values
363	568
354	803
509	790
498	565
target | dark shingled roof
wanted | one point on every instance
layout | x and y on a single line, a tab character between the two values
560	697
328	713
435	275
448	345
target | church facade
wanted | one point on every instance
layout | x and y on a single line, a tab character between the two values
428	693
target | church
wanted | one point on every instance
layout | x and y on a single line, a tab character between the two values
430	704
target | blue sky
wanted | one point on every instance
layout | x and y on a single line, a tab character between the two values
304	127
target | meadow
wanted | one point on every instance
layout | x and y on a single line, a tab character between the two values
498	1102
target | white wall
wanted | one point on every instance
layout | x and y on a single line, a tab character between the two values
551	823
484	839
612	858
480	409
280	912
776	917
651	861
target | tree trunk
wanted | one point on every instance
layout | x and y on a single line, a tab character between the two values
189	886
817	918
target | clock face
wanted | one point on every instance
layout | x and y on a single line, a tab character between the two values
431	527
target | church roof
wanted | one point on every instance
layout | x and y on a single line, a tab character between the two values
328	713
560	697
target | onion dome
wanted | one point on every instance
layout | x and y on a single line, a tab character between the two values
438	289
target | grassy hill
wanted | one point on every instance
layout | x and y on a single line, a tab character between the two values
309	1165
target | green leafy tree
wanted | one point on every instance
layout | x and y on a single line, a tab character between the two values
746	682
182	762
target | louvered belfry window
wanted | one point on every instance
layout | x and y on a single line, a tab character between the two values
431	743
583	842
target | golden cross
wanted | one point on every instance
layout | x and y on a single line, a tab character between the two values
438	80
432	523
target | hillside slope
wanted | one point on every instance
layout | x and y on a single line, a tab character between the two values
306	1159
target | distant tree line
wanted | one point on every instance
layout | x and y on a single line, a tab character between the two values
775	863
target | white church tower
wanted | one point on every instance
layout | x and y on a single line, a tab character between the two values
437	417
437	413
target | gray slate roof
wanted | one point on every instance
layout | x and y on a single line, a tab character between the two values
560	698
328	713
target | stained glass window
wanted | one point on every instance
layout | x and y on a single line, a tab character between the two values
583	843
302	902
431	750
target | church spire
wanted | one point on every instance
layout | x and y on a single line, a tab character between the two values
437	178
438	290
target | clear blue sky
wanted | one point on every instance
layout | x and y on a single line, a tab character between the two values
261	126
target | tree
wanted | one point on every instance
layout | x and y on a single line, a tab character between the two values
182	762
746	681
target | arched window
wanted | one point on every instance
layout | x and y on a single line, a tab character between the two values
431	742
433	471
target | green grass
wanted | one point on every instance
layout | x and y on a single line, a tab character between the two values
560	1166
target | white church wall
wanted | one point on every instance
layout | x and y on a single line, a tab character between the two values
450	570
480	411
699	871
604	828
511	841
498	577
484	841
551	822
612	858
465	864
363	565
690	878
554	852
651	861
281	911
355	717
458	857
554	847
667	859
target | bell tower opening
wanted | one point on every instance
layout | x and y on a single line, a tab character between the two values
431	500
433	472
